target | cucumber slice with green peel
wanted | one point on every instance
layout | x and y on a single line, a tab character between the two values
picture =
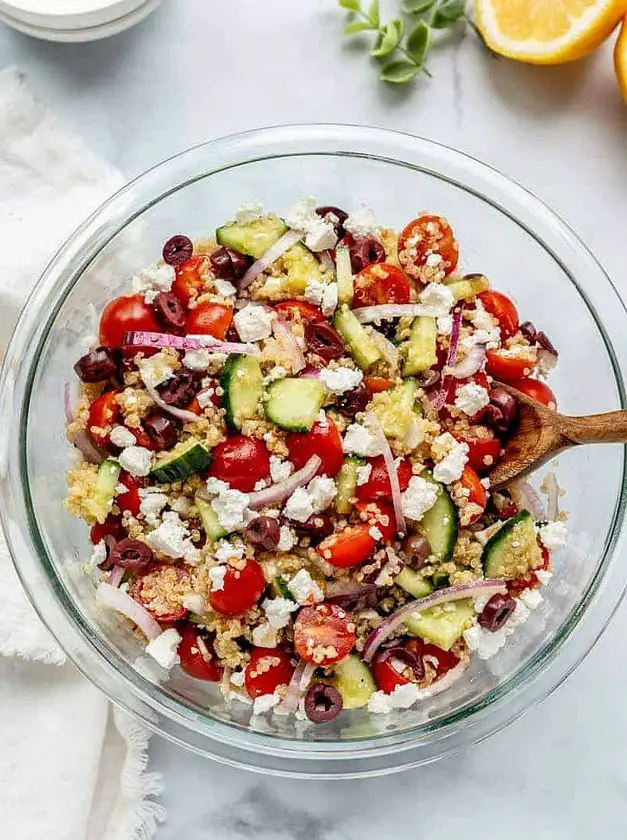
251	238
413	583
395	409
209	518
468	287
279	587
300	266
242	384
347	484
440	579
344	272
513	551
443	625
187	457
101	498
352	678
440	524
294	404
421	346
361	347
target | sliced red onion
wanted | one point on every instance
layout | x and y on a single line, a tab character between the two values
115	576
347	590
177	342
529	499
552	506
298	684
451	358
179	413
441	596
286	337
397	501
123	603
278	492
444	682
273	253
327	261
90	452
471	364
368	314
67	403
311	373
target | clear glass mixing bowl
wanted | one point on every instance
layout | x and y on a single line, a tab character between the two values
505	233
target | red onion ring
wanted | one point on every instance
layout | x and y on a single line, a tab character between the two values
278	492
471	364
397	501
115	576
284	335
287	241
552	504
368	314
327	261
529	499
178	342
297	685
90	452
123	603
451	357
347	590
179	413
67	403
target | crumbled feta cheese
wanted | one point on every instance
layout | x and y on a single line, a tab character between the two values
543	576
402	697
322	491
163	648
553	535
299	506
195	603
238	678
250	211
260	485
287	539
361	223
136	460
419	497
375	533
227	551
280	470
481	319
277	372
531	598
278	611
359	441
230	507
319	233
437	299
253	323
304	588
122	437
264	703
471	398
197	360
224	287
415	433
151	506
363	474
322	418
340	379
486	643
452	457
314	291
216	486
205	397
155	279
171	537
445	324
156	369
216	576
98	554
329	300
182	505
265	636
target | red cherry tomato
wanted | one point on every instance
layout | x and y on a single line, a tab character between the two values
380	515
378	484
349	547
377	384
241	461
445	659
158	590
477	492
209	319
188	282
484	448
426	236
242	589
111	527
389	673
322	440
298	311
537	391
501	308
506	368
103	413
124	314
193	661
267	670
381	283
131	500
324	634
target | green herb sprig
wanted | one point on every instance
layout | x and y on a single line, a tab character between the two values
404	49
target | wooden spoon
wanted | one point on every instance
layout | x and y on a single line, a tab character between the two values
541	433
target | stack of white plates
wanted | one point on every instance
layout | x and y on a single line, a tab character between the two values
74	20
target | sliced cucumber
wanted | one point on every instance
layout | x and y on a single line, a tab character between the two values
300	266
347	484
352	678
280	588
209	519
294	404
101	498
513	551
242	384
413	583
251	238
344	275
395	409
440	524
420	347
187	458
467	287
361	347
443	626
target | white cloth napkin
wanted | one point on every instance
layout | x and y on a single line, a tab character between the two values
70	768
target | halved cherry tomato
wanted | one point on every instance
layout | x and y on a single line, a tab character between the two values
103	412
484	448
298	311
424	237
381	283
377	384
124	314
111	527
379	515
389	673
445	659
267	670
378	484
192	660
131	500
156	589
506	368
241	461
209	319
501	308
322	440
349	547
477	493
324	634
241	591
536	390
188	281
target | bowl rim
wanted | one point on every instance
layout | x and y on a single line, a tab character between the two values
84	245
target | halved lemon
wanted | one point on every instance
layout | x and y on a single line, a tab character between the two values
547	31
620	59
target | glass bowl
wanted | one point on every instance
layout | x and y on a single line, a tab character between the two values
504	232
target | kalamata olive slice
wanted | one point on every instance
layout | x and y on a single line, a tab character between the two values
263	531
387	326
110	542
502	411
364	251
317	528
335	216
529	331
322	703
178	250
496	612
545	343
131	554
354	401
228	264
323	340
161	430
97	365
429	378
416	549
169	310
405	657
181	389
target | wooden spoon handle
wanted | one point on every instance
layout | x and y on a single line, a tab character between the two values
597	428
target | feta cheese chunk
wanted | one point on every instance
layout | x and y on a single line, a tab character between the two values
329	300
553	535
445	324
253	323
172	538
136	460
287	538
98	554
304	588
322	491
152	280
314	291
319	233
216	576
402	697
360	441
250	211
224	287
197	360
278	611
195	602
151	505
163	648
230	506
471	398
481	319
451	456
299	506
531	598
437	299
156	369
122	437
227	551
361	223
265	636
419	497
363	474
340	379
264	703
280	470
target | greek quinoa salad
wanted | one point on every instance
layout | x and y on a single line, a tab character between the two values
285	435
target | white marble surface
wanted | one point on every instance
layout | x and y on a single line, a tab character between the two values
199	69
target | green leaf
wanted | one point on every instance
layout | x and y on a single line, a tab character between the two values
373	14
447	13
351	5
399	72
417	7
357	26
419	41
388	39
